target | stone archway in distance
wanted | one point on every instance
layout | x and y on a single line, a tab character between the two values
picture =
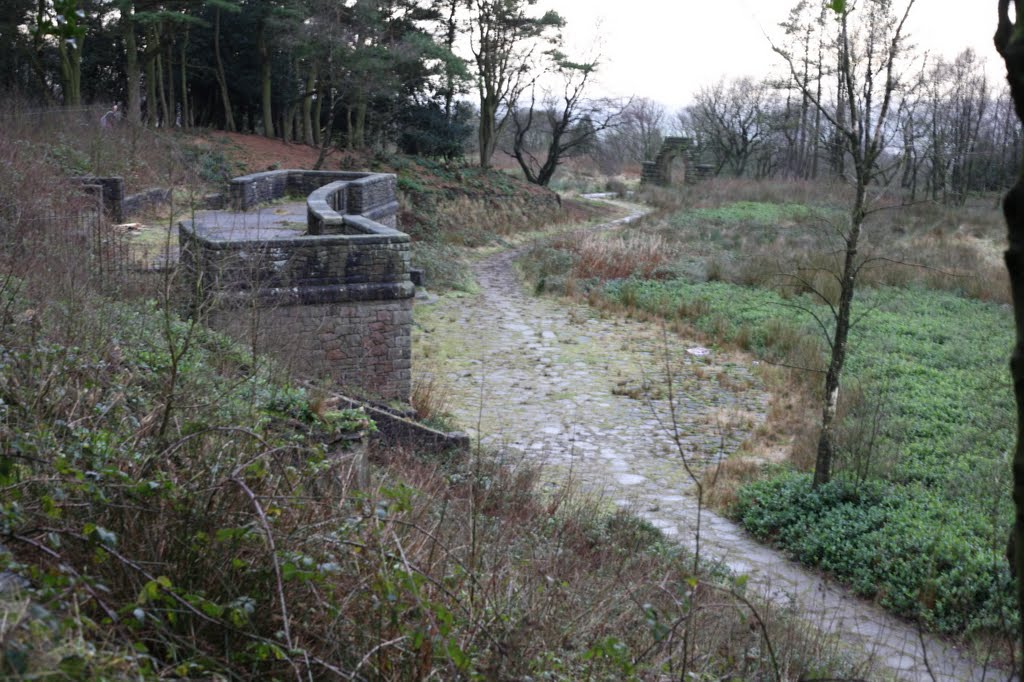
659	171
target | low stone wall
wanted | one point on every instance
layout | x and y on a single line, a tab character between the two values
119	207
372	195
137	203
333	303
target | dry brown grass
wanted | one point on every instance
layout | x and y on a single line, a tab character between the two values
721	484
431	398
617	256
466	221
721	190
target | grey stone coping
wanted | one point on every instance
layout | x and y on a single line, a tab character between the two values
215	237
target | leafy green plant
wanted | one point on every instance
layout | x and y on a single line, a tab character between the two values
881	539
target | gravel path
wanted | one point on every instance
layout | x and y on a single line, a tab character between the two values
584	394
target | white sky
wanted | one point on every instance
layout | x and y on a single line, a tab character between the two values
668	49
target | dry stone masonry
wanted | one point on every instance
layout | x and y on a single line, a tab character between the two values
659	171
118	206
334	301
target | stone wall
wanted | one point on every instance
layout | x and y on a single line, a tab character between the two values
137	203
333	303
362	347
110	192
118	206
372	195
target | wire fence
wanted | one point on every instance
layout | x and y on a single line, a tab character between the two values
75	250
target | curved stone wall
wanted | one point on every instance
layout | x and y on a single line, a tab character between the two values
372	195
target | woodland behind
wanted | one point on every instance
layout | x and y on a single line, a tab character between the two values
447	77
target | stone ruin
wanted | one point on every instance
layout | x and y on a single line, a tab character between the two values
334	301
659	171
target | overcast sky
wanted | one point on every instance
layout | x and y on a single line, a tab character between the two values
667	49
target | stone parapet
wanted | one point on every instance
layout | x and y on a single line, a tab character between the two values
369	194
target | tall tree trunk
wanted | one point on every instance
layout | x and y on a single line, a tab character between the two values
186	109
152	114
265	80
488	134
837	357
132	66
39	46
816	149
1009	42
449	74
348	127
172	100
318	112
222	81
165	117
307	106
360	122
328	132
71	70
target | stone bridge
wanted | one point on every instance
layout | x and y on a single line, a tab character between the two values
326	291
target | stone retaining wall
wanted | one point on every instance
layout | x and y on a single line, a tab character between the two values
362	347
333	303
137	203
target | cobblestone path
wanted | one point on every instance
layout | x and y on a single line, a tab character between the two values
585	395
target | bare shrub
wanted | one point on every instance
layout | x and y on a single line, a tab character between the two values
863	449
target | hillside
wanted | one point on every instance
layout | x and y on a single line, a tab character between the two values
175	505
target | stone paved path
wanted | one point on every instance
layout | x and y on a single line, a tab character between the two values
584	395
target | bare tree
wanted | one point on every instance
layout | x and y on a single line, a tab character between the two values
956	102
801	122
731	120
568	123
870	47
638	136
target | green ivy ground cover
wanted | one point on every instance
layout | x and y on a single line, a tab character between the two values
926	537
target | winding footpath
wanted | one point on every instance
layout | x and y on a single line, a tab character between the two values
584	394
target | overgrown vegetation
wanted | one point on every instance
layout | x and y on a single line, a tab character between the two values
172	506
919	515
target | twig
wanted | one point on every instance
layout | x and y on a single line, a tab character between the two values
273	557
